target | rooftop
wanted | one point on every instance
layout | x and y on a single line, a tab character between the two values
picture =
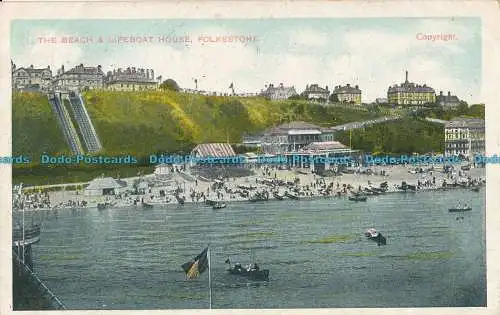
323	146
347	89
103	183
294	125
408	86
214	149
315	88
465	122
81	69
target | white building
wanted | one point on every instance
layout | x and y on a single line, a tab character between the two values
278	93
316	93
103	186
79	78
31	78
464	136
293	136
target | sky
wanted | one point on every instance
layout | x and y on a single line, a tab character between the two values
373	53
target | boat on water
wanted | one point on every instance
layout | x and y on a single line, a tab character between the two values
259	196
146	205
476	189
251	272
103	205
376	236
180	199
219	205
357	198
211	203
460	208
291	196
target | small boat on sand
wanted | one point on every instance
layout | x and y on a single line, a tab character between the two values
278	196
291	196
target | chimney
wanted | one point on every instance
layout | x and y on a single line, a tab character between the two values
152	74
62	69
449	93
31	66
326	87
357	87
348	85
147	74
48	67
406	77
441	93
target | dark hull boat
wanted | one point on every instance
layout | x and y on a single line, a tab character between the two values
373	235
291	196
219	206
146	205
460	209
210	202
278	196
104	205
357	198
476	189
252	274
180	200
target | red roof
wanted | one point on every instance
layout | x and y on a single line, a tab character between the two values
214	149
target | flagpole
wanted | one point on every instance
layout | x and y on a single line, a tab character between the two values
209	280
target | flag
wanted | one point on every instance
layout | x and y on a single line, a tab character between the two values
196	266
231	86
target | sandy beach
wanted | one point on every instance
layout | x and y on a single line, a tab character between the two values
196	189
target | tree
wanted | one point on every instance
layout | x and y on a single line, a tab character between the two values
297	97
169	85
334	98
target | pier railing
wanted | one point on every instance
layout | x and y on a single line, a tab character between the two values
42	287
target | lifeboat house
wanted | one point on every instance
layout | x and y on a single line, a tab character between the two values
103	186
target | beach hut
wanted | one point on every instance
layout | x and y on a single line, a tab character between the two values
102	186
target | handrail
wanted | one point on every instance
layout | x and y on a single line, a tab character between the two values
53	298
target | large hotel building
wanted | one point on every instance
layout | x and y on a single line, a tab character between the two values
408	93
464	136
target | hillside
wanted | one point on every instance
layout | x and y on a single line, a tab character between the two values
142	123
397	137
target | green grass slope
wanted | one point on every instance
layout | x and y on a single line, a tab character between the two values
142	123
397	137
34	127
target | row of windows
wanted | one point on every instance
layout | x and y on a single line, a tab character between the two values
464	145
34	75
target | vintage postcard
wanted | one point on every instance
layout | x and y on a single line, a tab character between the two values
214	156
